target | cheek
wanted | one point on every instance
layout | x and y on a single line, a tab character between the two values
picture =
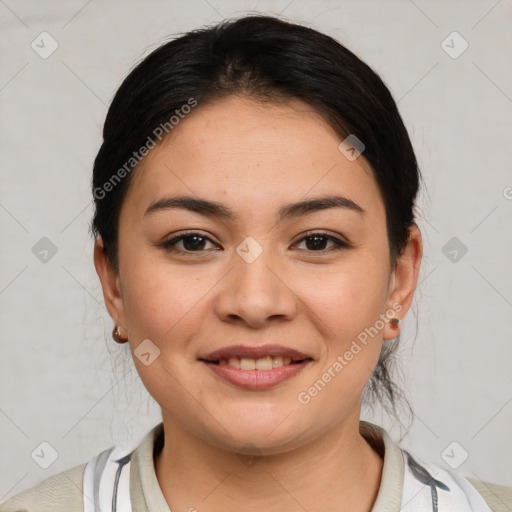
349	297
163	304
347	305
161	299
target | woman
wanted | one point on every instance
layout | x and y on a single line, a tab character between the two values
257	249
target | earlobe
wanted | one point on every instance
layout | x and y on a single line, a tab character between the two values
403	282
110	283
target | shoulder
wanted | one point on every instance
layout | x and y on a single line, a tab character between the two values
59	493
451	490
104	478
497	497
410	484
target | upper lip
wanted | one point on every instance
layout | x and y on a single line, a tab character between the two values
255	352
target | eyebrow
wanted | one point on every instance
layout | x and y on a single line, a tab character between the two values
218	210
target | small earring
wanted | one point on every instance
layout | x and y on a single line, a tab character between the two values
394	322
116	335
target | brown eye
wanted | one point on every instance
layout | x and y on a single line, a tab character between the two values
195	242
191	242
316	242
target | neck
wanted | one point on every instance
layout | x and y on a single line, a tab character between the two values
336	471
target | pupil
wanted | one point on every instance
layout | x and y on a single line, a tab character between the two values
319	240
198	242
194	245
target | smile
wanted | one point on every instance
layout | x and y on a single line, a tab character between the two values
263	363
256	366
256	374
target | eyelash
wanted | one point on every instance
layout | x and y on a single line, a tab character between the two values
169	245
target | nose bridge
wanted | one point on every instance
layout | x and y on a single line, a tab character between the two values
255	290
254	267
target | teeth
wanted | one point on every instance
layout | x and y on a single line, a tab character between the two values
248	364
234	362
264	363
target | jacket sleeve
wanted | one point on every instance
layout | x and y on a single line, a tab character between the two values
59	493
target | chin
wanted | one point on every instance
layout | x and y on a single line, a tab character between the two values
247	443
255	432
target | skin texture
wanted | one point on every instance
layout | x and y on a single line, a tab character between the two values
254	158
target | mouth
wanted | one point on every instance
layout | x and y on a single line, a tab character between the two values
256	367
263	363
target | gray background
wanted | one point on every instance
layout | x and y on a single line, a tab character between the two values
62	379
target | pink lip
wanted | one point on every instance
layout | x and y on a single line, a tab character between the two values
257	379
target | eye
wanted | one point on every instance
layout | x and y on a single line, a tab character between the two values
192	242
315	242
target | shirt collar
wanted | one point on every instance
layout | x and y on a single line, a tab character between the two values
146	495
389	496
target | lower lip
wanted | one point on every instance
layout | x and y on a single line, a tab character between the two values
257	379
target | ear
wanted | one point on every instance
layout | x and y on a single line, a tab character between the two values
403	280
110	284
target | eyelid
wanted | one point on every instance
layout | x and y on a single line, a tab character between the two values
340	243
328	234
168	244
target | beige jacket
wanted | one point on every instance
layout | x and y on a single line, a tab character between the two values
63	492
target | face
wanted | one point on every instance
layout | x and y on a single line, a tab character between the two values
311	281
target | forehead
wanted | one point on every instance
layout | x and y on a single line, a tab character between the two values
251	155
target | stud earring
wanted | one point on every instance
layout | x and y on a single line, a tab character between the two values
116	335
394	322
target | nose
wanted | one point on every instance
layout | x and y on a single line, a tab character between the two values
256	292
